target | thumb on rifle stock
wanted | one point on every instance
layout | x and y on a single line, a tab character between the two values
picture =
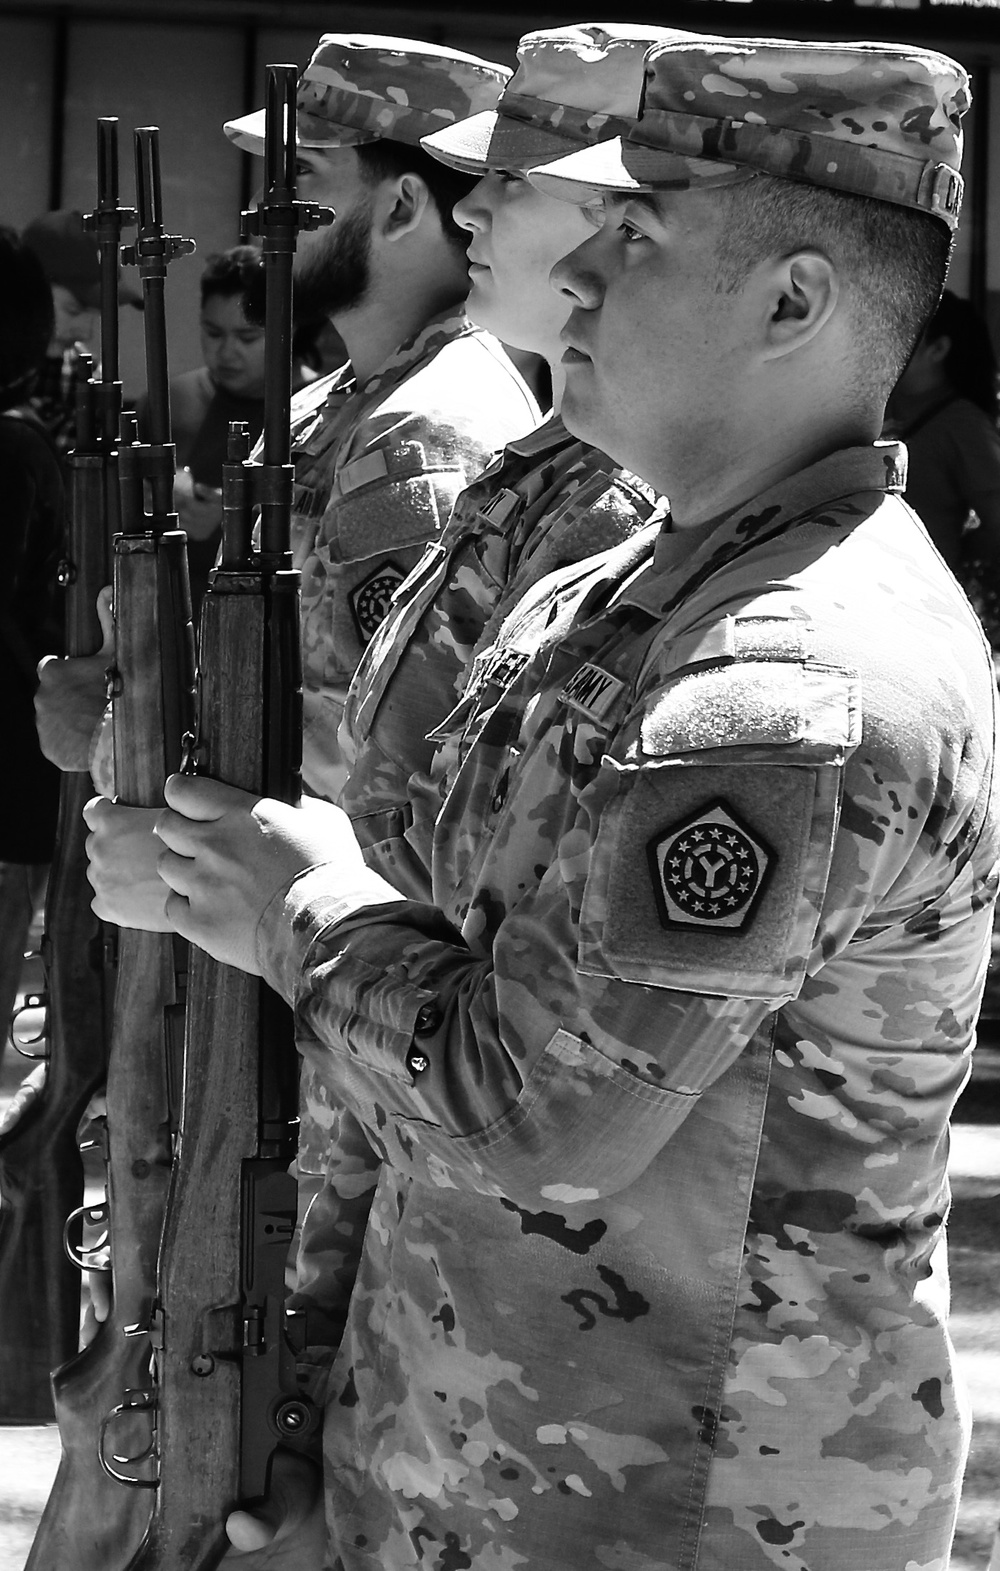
106	617
287	1532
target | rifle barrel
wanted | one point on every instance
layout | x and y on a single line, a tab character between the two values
151	250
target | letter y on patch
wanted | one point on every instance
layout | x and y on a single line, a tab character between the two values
710	870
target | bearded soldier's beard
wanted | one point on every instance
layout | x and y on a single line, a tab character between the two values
333	278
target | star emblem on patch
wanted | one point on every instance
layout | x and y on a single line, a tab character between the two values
371	600
710	870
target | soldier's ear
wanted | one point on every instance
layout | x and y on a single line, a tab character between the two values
803	290
407	197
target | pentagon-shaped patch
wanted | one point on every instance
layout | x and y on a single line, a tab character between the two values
709	871
371	599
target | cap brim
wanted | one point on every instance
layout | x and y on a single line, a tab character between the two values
624	166
311	131
492	140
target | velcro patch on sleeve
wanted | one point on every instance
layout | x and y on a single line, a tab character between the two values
756	703
366	470
709	877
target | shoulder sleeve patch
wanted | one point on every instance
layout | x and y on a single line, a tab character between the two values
669	905
709	871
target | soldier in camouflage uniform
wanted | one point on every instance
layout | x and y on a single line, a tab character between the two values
549	499
654	1275
383	446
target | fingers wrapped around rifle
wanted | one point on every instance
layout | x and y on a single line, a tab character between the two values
122	866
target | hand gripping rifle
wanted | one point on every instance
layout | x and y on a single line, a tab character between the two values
41	1174
91	1523
225	1395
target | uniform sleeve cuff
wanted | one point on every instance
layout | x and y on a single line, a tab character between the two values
295	917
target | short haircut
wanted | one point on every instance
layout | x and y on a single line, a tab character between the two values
230	272
387	160
891	260
26	318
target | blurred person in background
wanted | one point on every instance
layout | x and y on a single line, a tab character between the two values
31	538
944	407
69	259
229	385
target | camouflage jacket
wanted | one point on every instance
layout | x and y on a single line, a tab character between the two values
377	472
643	1123
547	501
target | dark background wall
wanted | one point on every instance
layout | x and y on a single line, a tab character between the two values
187	65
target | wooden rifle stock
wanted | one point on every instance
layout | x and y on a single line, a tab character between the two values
92	1522
225	1387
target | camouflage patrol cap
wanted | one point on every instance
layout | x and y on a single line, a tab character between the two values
879	120
573	86
360	87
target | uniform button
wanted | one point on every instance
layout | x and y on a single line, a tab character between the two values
416	1061
428	1019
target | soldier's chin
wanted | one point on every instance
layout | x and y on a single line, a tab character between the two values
481	302
579	410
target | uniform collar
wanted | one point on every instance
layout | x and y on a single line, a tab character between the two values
675	565
441	329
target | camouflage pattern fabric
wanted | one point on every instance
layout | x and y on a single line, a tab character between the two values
652	1272
878	120
377	471
573	85
547	501
361	87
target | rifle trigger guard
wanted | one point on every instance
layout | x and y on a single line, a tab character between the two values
94	1216
133	1402
21	1043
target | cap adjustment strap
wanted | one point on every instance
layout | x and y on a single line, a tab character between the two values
796	154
